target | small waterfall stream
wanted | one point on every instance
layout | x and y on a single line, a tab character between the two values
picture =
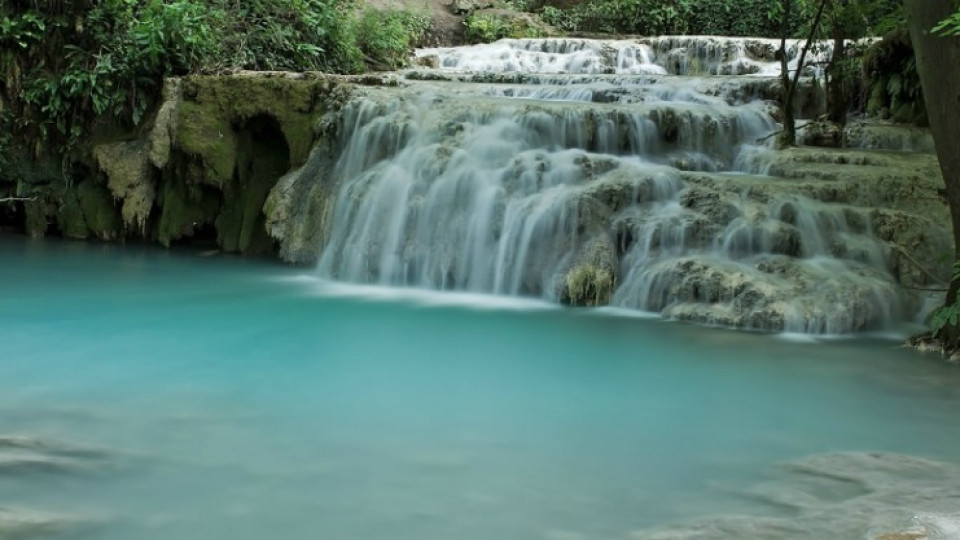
629	173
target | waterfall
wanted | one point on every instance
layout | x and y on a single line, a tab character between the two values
588	172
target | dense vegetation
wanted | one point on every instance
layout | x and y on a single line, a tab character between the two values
65	64
759	18
483	27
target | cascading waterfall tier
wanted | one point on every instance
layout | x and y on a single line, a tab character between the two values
630	173
675	55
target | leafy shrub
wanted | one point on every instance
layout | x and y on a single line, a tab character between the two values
387	37
568	20
622	16
285	35
486	27
133	46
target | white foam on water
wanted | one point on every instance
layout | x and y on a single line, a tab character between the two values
940	526
614	311
420	296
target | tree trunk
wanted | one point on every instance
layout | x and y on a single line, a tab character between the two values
837	98
938	63
789	135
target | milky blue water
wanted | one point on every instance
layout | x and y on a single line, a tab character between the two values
236	399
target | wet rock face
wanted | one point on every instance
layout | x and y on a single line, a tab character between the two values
773	293
868	136
130	179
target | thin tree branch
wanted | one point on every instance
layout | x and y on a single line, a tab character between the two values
916	263
18	199
806	47
925	289
779	131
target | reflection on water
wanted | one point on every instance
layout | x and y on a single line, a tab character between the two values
156	395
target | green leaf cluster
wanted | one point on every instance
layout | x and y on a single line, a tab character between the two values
948	315
949	27
21	32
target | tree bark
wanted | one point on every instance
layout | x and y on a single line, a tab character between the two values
938	63
837	95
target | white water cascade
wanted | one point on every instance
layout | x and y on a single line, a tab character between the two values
630	173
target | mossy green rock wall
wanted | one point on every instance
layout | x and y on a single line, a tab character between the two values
215	108
236	136
215	149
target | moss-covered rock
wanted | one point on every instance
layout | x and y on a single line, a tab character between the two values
70	219
238	135
592	278
184	208
35	217
299	209
263	158
214	107
164	129
100	214
130	178
587	285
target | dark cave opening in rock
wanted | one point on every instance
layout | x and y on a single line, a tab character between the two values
12	217
263	156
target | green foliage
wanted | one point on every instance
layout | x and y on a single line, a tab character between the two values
760	18
284	35
387	37
891	80
949	26
659	17
21	32
113	66
61	67
564	19
948	315
486	27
